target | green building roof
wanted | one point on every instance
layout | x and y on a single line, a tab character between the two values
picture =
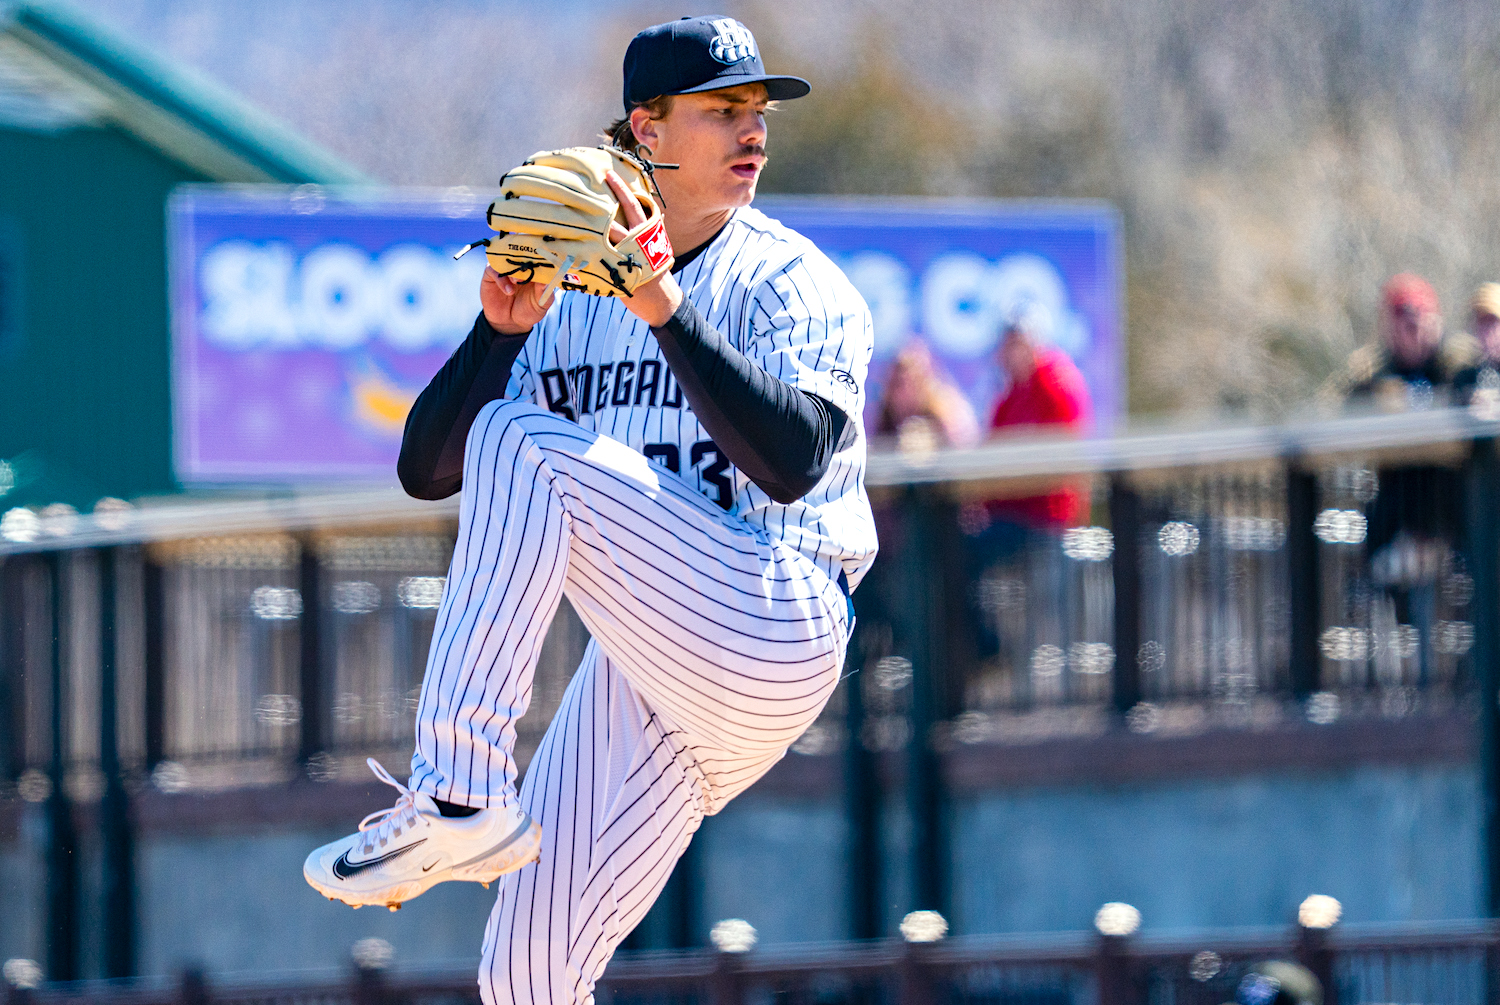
60	70
95	134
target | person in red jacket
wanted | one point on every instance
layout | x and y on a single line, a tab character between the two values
1047	395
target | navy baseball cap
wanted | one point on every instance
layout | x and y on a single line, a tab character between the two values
699	54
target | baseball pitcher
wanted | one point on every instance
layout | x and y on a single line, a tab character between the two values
658	414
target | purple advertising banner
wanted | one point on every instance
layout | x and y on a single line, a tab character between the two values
306	321
951	272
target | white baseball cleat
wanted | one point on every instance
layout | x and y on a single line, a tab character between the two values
402	852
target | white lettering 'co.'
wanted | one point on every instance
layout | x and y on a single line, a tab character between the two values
733	41
962	300
258	295
885	283
966	299
717	619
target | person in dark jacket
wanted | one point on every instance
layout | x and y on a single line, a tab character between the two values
1414	365
1415	521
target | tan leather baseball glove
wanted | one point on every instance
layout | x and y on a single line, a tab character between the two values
553	219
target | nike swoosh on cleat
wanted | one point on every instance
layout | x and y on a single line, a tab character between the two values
345	869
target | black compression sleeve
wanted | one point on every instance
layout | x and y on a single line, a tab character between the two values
431	465
780	436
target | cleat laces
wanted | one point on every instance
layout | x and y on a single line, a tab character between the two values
382	825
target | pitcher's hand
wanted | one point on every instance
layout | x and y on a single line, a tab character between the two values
656	301
510	307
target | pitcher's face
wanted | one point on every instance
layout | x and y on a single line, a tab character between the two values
718	138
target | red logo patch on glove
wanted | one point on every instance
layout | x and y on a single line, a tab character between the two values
655	244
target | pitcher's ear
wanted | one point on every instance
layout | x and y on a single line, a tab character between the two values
644	127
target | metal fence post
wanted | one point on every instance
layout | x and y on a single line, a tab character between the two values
862	802
724	983
192	988
62	858
687	923
925	632
1314	953
310	642
1114	973
916	977
1304	585
1484	566
1492	971
154	630
114	810
370	986
1125	524
12	666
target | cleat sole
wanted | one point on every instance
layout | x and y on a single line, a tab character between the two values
517	853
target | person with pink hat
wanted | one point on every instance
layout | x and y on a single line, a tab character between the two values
1413	366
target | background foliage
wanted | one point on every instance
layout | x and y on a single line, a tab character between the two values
1274	161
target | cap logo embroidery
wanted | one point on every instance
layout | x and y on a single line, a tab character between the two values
732	43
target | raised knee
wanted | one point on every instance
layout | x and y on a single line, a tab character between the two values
501	418
526	416
507	411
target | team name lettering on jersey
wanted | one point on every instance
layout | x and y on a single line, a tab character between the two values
624	383
775	298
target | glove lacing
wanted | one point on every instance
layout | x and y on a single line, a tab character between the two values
382	825
646	164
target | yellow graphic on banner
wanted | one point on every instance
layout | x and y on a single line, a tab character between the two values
380	401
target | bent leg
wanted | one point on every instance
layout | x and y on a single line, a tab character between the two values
728	637
611	787
504	585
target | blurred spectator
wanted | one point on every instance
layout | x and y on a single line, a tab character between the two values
1413	365
1046	394
921	408
1415	519
1479	385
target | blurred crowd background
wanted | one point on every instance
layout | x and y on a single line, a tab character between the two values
1275	162
1185	668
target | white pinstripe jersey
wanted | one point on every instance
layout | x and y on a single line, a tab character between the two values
781	302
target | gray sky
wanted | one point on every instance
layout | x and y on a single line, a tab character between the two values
412	92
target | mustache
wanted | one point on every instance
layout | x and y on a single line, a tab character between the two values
754	150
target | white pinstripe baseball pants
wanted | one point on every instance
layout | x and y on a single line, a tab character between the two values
713	649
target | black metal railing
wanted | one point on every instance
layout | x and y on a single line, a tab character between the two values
1259	583
1247	591
1227	579
1455	964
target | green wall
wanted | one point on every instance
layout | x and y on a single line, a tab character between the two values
85	404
